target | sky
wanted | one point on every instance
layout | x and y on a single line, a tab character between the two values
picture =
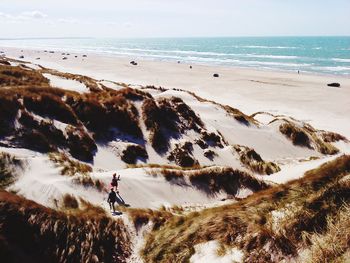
173	18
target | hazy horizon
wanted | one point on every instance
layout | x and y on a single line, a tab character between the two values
171	37
164	19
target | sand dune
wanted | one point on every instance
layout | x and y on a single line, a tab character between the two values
305	96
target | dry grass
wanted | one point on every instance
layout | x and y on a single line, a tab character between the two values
134	152
80	172
105	113
295	134
90	83
215	179
237	114
69	202
212	139
80	144
52	135
333	137
9	166
307	136
168	118
100	112
250	225
182	155
9	107
154	121
32	233
141	217
251	159
20	77
69	166
51	106
333	244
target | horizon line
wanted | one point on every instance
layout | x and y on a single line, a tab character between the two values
164	37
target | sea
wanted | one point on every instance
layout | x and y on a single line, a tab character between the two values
319	55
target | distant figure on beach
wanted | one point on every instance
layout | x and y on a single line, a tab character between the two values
298	72
112	198
190	66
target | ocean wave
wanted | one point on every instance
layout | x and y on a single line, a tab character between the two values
211	60
333	69
277	64
269	47
343	60
205	53
271	56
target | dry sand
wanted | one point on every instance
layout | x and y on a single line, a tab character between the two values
303	96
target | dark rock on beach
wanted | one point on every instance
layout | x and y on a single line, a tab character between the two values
336	85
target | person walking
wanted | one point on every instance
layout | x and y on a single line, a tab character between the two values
112	198
114	182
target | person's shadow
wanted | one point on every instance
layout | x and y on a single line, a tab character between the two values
121	201
117	213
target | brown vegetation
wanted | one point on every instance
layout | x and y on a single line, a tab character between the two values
210	154
134	152
251	159
213	180
9	106
333	137
80	144
9	166
168	118
107	110
70	202
295	134
79	171
211	139
237	114
307	136
69	166
32	233
252	225
51	106
182	155
20	77
141	217
104	112
333	244
155	122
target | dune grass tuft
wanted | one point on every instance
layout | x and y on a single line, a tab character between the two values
212	180
8	169
251	159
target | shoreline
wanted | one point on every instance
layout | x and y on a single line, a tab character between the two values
304	96
142	58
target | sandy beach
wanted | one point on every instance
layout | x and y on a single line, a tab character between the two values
303	96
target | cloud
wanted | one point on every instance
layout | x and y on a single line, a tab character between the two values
34	14
23	16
